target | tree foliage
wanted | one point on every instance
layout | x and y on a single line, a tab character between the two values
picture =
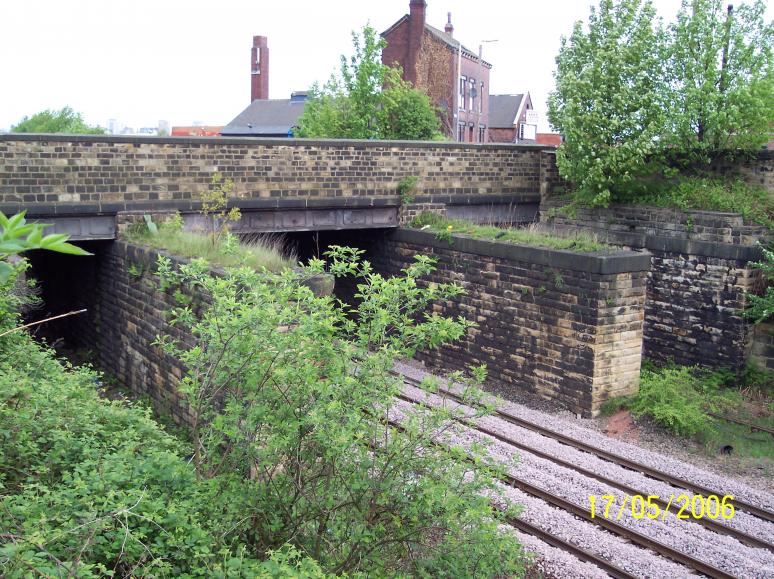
721	89
17	236
368	100
634	99
606	102
65	120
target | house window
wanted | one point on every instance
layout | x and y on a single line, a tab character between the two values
463	81
481	133
472	94
461	132
481	100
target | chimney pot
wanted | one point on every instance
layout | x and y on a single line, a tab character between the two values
449	29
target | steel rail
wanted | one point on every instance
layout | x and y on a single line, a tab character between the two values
753	427
631	491
611	457
559	543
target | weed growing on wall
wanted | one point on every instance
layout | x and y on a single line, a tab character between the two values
761	308
445	229
406	188
291	395
262	252
215	204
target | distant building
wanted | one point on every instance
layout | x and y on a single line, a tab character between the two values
196	131
512	119
259	69
454	77
268	118
265	117
549	139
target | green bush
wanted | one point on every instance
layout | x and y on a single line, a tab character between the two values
761	308
290	470
289	391
678	397
95	486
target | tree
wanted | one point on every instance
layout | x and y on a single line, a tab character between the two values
722	79
608	101
368	100
65	120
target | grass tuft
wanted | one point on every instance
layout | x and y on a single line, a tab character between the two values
445	228
753	202
261	252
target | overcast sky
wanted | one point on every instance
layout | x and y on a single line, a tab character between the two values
187	61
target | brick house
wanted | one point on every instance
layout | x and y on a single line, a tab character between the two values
454	77
508	119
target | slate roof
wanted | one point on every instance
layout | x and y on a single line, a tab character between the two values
503	109
271	117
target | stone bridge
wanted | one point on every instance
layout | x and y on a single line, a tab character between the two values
83	184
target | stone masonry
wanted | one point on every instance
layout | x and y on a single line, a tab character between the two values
58	174
129	312
699	279
566	326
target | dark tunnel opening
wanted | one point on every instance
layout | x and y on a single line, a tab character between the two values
66	283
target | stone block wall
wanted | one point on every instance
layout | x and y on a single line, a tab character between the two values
762	345
65	174
130	311
566	326
698	281
633	224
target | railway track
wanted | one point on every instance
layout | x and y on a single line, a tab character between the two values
612	526
610	456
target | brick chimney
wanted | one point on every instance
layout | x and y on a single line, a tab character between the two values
415	32
259	69
448	29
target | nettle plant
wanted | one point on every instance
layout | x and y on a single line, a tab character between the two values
291	395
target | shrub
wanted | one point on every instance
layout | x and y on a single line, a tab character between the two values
290	391
678	397
761	308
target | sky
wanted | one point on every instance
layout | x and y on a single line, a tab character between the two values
187	61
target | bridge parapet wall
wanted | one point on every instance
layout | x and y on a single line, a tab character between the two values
86	174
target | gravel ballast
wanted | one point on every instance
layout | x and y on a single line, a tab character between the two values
687	536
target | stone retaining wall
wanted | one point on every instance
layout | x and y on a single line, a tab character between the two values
129	312
762	345
699	278
567	326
